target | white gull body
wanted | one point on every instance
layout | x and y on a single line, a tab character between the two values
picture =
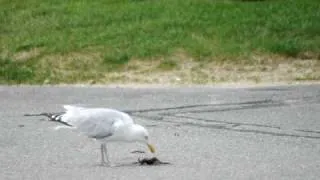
105	125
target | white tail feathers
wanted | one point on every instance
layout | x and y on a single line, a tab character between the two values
72	108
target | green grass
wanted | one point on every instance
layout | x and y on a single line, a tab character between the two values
11	71
114	61
122	30
167	65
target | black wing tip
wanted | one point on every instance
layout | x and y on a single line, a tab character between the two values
56	117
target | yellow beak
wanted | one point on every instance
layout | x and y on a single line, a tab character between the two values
151	148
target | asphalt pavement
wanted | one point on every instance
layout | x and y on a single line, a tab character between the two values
270	132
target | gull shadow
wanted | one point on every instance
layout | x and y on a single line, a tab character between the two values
127	164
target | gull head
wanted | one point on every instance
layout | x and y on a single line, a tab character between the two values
141	135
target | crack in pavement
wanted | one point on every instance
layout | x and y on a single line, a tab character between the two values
192	106
174	117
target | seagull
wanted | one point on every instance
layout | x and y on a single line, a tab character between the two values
102	124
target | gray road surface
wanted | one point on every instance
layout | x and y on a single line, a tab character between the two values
205	132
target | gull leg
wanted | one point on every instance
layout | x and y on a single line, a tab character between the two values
106	153
103	162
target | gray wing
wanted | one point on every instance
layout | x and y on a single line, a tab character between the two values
95	122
